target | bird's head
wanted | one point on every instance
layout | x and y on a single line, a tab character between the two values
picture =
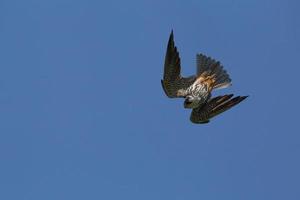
191	102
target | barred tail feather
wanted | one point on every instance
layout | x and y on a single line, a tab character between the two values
222	80
207	66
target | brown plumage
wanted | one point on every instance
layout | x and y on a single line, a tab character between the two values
197	89
214	107
207	80
172	80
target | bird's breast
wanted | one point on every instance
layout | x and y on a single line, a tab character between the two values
200	92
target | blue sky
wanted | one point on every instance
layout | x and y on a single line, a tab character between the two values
83	114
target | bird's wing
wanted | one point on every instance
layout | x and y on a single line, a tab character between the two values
172	80
214	107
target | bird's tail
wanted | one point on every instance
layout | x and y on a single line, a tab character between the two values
210	69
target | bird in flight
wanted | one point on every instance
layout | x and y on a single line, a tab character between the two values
196	89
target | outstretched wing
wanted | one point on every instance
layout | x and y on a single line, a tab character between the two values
214	107
172	80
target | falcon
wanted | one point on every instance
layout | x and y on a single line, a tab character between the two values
196	89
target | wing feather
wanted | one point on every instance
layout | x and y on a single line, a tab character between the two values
214	107
172	79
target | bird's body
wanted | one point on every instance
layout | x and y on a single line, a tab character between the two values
197	89
196	94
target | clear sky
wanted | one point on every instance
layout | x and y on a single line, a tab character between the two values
83	114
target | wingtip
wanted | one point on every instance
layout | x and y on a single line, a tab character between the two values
171	35
238	99
244	97
171	40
